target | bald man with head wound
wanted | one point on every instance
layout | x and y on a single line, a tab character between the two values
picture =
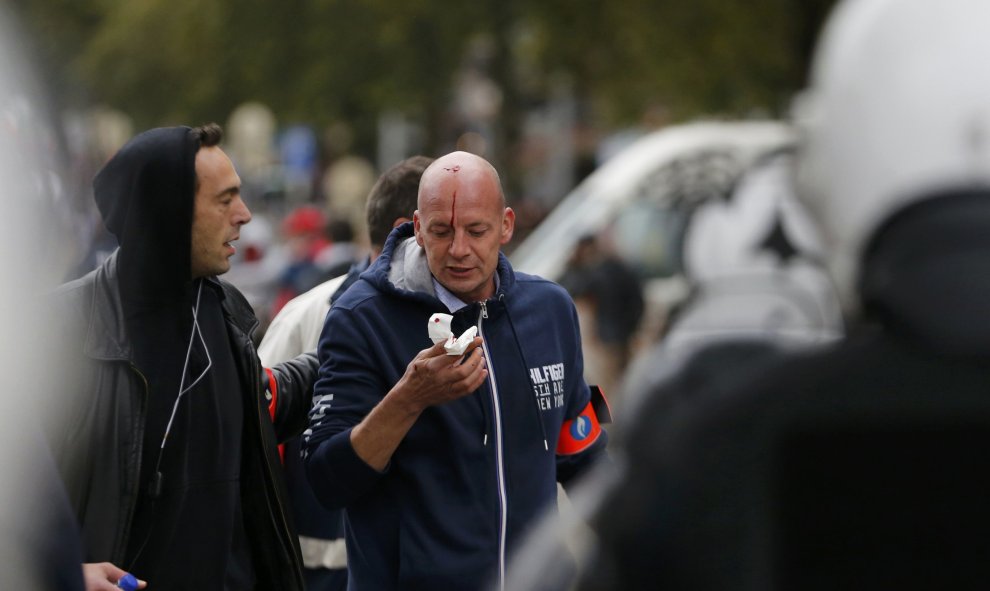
441	461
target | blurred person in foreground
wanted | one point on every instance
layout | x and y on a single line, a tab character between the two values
40	549
758	292
858	466
296	329
442	461
170	457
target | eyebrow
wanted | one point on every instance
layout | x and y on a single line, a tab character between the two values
438	224
443	225
232	190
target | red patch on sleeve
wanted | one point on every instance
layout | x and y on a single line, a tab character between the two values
579	433
272	390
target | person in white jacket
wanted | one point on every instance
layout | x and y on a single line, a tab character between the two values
296	329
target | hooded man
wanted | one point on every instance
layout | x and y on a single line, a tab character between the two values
171	461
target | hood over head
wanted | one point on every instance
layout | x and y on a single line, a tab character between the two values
145	194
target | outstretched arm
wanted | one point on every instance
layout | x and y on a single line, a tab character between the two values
289	393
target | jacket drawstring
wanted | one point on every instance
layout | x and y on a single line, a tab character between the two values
485	414
486	417
536	405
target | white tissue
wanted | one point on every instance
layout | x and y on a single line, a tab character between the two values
439	331
439	327
457	346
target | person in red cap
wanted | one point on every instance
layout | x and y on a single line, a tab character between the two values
304	230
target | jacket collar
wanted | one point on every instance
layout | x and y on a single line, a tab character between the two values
106	335
236	309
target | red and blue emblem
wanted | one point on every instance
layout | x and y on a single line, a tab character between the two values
577	434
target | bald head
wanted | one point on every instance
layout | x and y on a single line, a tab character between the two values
459	170
461	222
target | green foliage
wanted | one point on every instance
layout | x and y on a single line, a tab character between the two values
168	61
703	57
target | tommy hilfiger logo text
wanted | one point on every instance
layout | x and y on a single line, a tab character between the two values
548	385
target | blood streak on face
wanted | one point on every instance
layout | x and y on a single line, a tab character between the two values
454	169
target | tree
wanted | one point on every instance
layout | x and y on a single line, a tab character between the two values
317	61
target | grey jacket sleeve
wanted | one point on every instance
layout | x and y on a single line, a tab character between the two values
293	394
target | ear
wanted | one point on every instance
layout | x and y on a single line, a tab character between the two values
508	225
399	221
416	228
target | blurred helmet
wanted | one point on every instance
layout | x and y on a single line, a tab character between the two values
898	109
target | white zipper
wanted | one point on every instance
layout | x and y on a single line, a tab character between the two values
499	461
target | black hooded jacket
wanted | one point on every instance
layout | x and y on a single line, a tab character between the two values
133	317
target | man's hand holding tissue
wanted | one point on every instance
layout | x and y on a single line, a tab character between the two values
433	377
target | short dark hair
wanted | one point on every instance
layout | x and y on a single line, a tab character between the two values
340	230
394	196
208	135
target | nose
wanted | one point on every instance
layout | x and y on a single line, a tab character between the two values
459	244
242	214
